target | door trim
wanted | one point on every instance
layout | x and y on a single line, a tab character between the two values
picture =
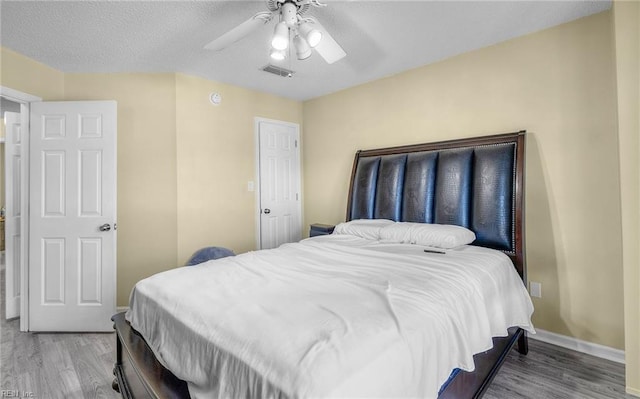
23	99
258	208
12	148
17	96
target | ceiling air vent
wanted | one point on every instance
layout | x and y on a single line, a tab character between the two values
276	70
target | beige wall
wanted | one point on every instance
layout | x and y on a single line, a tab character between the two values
28	76
147	215
559	84
183	164
216	153
626	17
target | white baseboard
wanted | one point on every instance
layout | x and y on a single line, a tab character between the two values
605	352
121	308
634	392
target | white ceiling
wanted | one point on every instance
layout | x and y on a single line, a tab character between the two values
381	38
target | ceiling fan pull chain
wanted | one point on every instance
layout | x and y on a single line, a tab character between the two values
290	67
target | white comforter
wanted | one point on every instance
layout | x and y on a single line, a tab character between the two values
331	316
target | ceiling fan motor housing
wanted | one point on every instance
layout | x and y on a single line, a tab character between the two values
289	13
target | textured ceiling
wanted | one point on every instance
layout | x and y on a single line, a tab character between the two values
381	38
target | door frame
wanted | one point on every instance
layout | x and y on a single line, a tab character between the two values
257	185
23	99
12	209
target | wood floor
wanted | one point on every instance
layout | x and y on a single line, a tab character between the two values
65	365
52	366
552	372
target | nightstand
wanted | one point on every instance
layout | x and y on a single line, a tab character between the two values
319	229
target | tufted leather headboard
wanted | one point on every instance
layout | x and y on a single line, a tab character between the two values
477	183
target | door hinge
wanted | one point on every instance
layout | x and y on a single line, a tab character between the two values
295	143
296	196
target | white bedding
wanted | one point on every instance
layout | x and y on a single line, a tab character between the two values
331	316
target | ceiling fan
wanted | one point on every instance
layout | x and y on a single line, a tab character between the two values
293	27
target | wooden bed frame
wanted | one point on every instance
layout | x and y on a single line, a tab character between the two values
140	375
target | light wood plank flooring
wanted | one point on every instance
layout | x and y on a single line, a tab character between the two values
552	372
64	365
52	366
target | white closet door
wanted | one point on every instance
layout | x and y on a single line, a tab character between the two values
280	216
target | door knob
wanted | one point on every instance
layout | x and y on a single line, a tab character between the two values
105	227
267	211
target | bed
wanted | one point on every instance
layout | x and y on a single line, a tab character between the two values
475	183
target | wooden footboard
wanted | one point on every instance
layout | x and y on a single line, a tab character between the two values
138	373
473	385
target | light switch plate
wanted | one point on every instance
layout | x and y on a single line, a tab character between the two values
535	289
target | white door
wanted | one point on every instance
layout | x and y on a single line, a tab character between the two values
12	157
280	210
72	244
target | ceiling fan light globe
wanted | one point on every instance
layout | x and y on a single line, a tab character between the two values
280	39
304	54
278	55
303	50
279	44
312	35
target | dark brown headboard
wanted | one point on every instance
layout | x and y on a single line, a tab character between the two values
477	183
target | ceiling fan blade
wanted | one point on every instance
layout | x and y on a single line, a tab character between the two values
239	31
328	48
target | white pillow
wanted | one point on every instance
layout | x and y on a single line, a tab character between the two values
399	232
430	235
364	228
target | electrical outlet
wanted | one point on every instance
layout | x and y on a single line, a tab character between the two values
535	289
